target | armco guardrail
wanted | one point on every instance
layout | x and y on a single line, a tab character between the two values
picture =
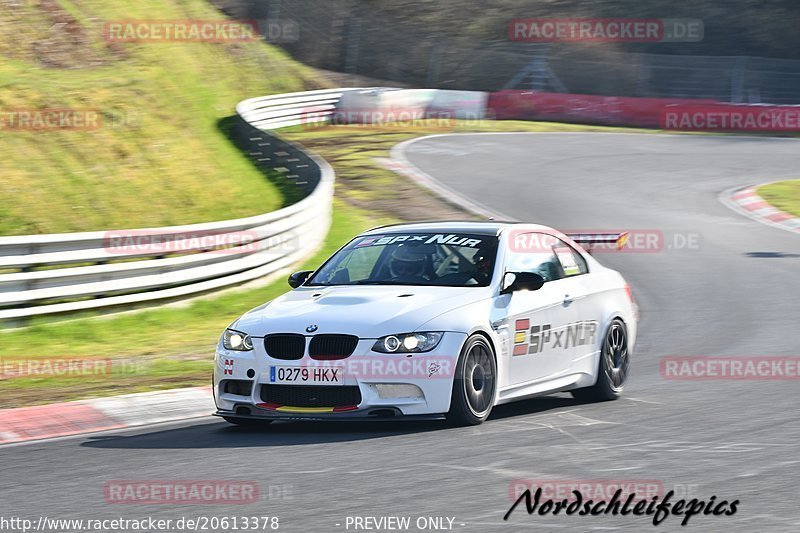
131	267
292	109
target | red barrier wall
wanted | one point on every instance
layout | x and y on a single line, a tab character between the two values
667	113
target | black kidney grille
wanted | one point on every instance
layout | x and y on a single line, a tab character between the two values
288	346
311	395
332	347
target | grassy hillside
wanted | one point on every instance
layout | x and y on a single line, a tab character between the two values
159	157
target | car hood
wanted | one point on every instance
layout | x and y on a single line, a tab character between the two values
366	311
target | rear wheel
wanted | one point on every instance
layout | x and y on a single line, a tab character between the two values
246	422
474	383
613	367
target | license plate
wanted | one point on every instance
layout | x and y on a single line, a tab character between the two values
303	375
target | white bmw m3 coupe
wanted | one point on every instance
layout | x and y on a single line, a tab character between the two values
432	320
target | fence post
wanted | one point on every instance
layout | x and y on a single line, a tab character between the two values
352	46
273	11
435	62
737	80
642	76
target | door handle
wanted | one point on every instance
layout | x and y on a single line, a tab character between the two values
567	300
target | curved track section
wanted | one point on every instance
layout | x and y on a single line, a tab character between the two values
733	293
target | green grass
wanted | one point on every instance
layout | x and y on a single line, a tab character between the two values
159	157
785	195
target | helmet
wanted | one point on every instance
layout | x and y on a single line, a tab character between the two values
408	261
483	260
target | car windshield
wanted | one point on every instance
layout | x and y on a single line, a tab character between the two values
443	259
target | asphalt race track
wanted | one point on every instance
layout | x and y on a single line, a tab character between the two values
732	290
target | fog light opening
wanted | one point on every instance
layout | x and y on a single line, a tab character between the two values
388	391
239	387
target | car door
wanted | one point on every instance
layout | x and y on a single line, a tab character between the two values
581	333
538	320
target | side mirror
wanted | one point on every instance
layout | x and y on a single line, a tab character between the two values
521	281
298	278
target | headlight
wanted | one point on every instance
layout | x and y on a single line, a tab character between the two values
408	342
236	340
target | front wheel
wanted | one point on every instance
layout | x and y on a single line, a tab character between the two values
612	372
474	383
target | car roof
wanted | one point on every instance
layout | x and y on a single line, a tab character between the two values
488	227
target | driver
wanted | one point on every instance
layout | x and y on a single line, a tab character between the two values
408	264
483	260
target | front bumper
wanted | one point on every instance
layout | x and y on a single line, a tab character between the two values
366	415
383	385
